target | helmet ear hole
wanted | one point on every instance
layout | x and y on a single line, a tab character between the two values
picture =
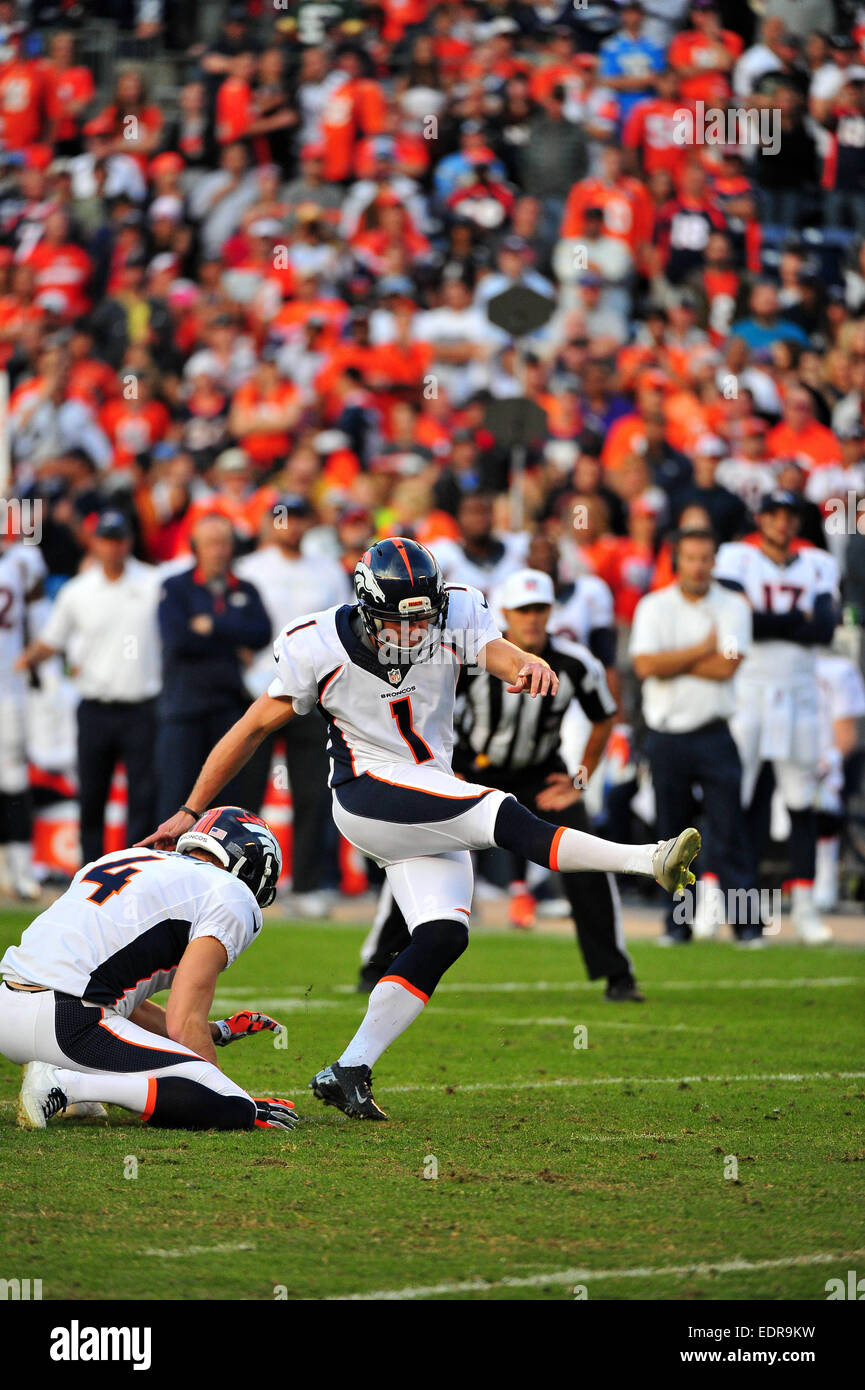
243	844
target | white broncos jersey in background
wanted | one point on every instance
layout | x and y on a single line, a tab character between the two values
117	934
21	569
771	588
380	713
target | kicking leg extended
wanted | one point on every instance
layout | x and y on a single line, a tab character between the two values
571	851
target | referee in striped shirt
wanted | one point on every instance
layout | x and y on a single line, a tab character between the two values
514	745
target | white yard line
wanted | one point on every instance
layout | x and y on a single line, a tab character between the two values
198	1250
566	1082
516	986
587	1276
273	1001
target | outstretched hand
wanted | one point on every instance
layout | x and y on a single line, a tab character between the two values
166	835
535	678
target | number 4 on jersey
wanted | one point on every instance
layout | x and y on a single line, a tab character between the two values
112	878
401	711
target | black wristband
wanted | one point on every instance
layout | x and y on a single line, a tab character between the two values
189	812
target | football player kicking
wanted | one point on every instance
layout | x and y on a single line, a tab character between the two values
75	1005
383	674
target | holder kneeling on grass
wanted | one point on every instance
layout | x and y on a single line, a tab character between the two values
75	1005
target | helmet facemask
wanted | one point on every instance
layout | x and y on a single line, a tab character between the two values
401	650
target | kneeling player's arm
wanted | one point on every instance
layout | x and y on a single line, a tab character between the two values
186	1016
150	1016
523	671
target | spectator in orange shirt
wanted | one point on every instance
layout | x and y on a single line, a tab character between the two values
629	573
393	239
90	378
595	546
236	495
651	127
264	412
135	420
703	57
628	434
234	113
308	304
60	267
136	124
21	98
626	205
800	435
69	90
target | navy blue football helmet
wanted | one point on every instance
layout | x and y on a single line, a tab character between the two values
398	581
243	844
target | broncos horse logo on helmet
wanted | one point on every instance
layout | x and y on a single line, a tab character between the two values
398	581
243	844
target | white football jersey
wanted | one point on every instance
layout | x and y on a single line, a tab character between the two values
771	588
841	693
459	568
21	569
117	934
587	606
379	713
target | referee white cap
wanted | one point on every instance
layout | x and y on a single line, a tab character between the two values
525	587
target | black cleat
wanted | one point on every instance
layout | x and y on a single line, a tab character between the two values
349	1089
624	992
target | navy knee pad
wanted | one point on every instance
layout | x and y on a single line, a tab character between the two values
184	1104
433	948
518	830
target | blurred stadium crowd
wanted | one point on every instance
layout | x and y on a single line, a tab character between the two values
247	253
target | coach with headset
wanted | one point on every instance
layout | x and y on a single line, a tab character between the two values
211	622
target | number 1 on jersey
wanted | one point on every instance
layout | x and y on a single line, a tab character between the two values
401	711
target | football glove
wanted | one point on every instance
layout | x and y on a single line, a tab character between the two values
242	1025
271	1113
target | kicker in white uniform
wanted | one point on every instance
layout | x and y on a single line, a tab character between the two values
383	673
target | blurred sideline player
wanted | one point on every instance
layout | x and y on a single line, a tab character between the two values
384	674
841	701
75	1005
793	591
22	572
501	743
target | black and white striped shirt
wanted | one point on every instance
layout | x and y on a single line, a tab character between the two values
501	730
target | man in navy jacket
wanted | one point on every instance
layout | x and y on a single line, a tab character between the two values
210	622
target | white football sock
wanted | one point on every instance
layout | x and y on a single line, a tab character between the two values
112	1088
391	1009
574	850
826	877
19	858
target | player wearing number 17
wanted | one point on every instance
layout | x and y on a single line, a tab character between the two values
383	674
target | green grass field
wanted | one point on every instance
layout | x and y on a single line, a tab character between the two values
558	1166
